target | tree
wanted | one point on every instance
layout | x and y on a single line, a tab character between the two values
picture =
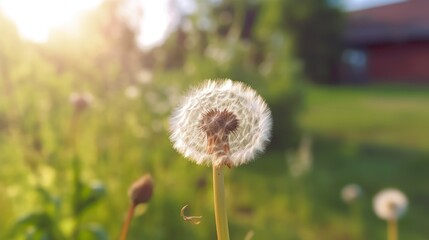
315	27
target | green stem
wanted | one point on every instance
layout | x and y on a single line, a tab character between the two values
392	230
124	230
219	204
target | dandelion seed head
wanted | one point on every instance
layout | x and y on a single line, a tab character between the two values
232	106
390	204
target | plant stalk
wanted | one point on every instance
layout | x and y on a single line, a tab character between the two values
130	214
219	204
392	230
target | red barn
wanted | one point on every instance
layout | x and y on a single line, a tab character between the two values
388	43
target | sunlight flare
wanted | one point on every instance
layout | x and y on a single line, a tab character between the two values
35	19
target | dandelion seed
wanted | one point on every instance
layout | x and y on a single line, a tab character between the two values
192	219
221	122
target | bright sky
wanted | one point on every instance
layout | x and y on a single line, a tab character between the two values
36	18
362	4
156	20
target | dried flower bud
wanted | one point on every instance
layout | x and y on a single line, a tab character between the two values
141	190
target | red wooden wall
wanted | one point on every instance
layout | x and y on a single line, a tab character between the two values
398	62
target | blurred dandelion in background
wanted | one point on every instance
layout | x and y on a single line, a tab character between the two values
132	92
144	76
351	192
301	161
390	205
81	100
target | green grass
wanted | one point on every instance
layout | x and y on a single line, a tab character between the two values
394	115
375	136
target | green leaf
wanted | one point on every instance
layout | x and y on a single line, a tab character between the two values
93	232
87	196
44	227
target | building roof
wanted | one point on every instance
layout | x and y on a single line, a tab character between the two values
398	22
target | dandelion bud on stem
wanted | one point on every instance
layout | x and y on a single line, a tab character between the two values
140	192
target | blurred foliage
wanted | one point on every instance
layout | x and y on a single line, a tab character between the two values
316	27
245	41
50	223
308	32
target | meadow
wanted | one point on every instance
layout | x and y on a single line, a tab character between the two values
375	136
66	172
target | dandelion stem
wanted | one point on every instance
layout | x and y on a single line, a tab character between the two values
219	204
392	230
127	222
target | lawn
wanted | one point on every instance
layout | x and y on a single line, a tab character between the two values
376	136
386	115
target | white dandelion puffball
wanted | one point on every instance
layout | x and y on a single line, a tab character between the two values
390	204
351	192
242	115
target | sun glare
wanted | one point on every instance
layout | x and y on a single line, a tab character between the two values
154	24
36	18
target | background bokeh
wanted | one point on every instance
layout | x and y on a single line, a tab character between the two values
85	114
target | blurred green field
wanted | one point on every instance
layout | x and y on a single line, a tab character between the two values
386	115
375	136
